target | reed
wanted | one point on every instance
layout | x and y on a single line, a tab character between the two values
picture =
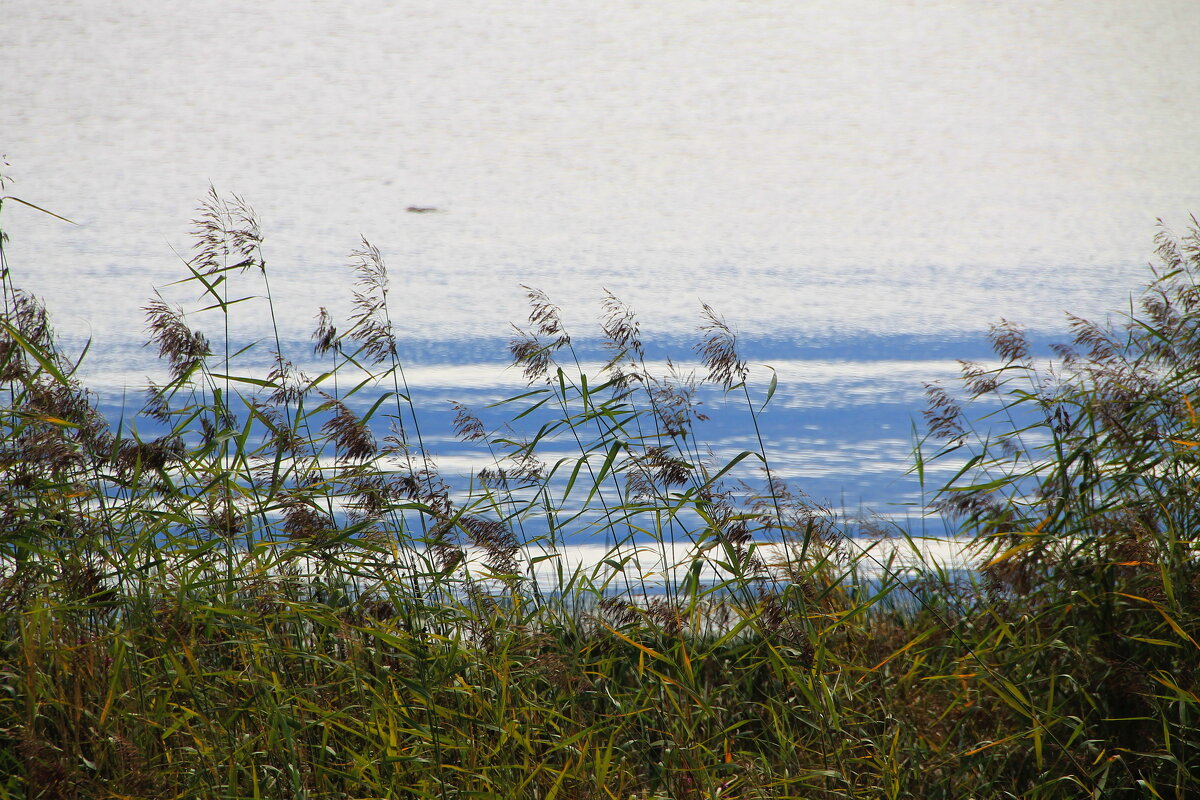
260	585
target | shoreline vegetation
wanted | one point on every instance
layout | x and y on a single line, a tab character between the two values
259	584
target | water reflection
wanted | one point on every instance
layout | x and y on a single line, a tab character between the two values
860	187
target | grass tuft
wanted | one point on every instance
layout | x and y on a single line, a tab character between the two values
262	586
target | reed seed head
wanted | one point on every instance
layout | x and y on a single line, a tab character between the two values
351	436
718	350
183	348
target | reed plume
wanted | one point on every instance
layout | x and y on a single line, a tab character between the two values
718	350
183	348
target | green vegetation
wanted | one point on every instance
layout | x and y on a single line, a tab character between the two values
261	587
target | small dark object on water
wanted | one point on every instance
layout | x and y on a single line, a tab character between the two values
422	209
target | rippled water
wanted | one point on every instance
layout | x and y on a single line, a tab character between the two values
860	187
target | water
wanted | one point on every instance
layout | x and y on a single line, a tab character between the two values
859	187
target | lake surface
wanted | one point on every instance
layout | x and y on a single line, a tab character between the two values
858	187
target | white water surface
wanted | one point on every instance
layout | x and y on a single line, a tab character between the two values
821	172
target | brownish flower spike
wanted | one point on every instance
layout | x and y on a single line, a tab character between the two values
351	435
371	327
942	414
227	235
302	522
622	332
182	347
531	355
1008	341
325	336
718	351
979	381
545	317
290	383
467	426
497	541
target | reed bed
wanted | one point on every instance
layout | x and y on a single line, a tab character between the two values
259	585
